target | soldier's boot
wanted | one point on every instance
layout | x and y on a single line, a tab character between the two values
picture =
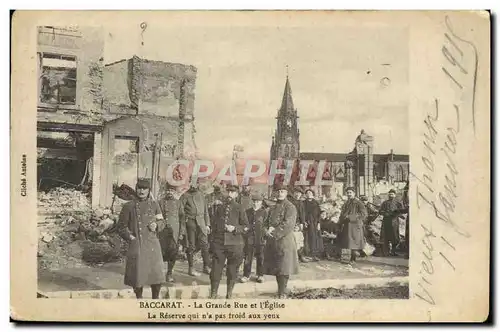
282	283
206	260
191	270
230	287
302	258
170	269
155	291
214	290
354	255
138	292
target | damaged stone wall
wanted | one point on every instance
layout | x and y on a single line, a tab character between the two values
87	45
165	87
398	171
90	69
116	88
156	90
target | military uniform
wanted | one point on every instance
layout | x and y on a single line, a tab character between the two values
313	234
280	251
390	210
300	232
144	263
172	233
245	200
215	199
254	239
351	220
372	212
225	245
197	218
406	209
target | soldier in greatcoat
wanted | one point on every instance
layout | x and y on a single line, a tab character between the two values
228	226
352	218
195	209
214	200
280	251
175	229
406	209
390	210
372	212
245	198
312	226
300	232
254	238
139	223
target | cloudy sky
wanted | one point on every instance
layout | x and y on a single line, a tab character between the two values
336	75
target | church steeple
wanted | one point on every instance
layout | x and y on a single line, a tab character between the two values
286	138
287	102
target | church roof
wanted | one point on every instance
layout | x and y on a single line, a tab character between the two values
336	157
287	102
341	157
380	158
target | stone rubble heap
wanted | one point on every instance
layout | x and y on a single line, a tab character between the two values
71	232
63	200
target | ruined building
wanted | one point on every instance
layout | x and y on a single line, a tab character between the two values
100	126
360	168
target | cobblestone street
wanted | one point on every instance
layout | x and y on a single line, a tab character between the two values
86	280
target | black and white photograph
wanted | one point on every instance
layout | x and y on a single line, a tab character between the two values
215	163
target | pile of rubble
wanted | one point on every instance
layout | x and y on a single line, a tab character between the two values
71	233
332	210
60	200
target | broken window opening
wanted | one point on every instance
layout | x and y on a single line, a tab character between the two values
65	160
125	161
58	79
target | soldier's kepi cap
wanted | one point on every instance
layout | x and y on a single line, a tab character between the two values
257	197
298	190
232	188
350	188
309	189
143	183
280	187
169	186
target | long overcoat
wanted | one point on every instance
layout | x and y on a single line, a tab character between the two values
280	251
173	213
229	213
312	217
245	200
352	218
391	210
144	262
197	199
255	234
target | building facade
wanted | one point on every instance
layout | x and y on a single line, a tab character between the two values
100	126
360	168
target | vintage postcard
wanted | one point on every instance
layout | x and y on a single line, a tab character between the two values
250	166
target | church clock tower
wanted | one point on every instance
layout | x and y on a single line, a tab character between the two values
285	144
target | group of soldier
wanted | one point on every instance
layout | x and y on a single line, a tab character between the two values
230	230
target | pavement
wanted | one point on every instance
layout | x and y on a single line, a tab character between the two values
106	281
